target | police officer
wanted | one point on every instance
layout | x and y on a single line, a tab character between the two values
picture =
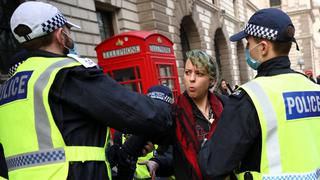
55	110
270	127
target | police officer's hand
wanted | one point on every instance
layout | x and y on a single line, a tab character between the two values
152	166
149	147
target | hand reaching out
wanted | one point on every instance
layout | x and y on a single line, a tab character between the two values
152	166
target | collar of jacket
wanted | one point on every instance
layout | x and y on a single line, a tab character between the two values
275	66
23	55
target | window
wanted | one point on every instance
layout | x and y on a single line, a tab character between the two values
129	77
235	8
275	3
217	52
8	44
105	24
166	78
184	42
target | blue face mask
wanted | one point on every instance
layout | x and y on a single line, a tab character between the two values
254	64
72	48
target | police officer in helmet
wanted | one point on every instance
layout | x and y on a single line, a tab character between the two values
275	133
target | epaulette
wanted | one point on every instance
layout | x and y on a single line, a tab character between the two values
86	62
238	93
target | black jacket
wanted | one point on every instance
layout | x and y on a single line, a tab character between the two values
238	134
3	165
84	102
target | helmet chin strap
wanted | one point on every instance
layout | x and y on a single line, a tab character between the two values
297	46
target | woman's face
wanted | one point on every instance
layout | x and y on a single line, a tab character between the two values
224	85
196	81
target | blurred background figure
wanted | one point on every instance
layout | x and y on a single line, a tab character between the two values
309	75
225	88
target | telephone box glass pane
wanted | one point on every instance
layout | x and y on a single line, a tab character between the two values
129	77
165	70
131	86
124	75
138	72
166	76
168	83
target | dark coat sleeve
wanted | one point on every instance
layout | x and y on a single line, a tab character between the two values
3	165
98	96
236	132
164	158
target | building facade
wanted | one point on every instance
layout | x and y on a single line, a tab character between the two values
305	16
191	24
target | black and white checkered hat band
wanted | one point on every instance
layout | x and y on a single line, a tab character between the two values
14	68
261	32
54	23
161	96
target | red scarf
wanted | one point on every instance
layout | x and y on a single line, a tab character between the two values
186	133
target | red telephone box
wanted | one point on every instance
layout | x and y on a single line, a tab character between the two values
139	59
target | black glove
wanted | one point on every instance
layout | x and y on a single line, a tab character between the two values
134	145
112	154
